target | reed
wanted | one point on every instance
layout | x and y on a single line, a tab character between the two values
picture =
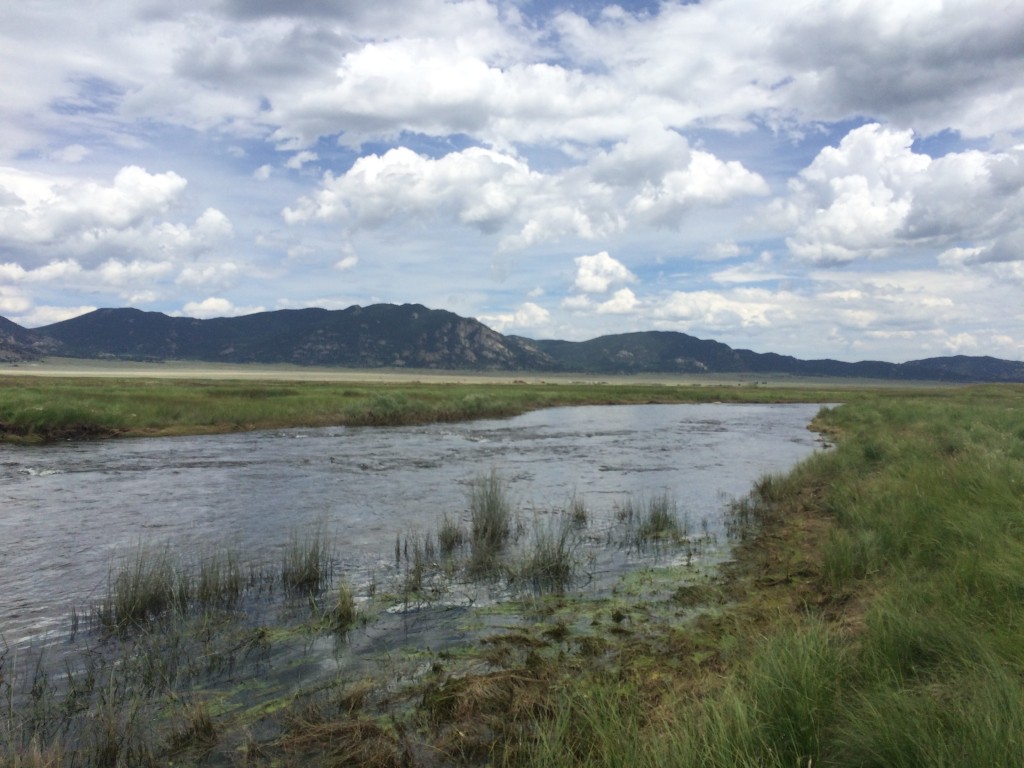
450	536
577	511
307	563
490	513
660	520
148	585
220	581
344	614
549	563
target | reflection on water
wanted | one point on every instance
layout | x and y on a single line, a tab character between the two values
68	511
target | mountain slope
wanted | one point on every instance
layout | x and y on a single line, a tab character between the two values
413	336
17	343
375	336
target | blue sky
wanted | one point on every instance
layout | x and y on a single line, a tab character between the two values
840	179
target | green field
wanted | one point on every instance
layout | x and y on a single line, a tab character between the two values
70	405
873	616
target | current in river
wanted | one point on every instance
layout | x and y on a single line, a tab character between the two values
69	511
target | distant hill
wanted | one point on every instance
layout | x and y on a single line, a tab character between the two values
413	336
17	343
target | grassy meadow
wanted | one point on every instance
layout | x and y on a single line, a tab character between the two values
38	408
873	614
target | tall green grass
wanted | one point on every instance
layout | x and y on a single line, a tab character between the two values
41	408
490	520
901	642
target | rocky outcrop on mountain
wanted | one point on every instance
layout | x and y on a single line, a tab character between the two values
18	344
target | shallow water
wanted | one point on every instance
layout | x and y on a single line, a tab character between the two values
69	511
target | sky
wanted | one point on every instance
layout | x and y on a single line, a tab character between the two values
838	179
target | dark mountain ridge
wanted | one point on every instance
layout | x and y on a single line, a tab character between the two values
413	336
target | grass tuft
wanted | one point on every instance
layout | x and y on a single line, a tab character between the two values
306	565
148	585
490	512
550	564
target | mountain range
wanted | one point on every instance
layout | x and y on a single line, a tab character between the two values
413	336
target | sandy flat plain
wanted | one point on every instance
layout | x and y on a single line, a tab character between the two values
178	369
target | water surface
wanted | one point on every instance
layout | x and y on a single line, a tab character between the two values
69	511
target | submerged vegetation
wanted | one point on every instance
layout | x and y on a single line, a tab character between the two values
871	616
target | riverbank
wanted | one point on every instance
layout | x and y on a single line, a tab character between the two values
41	408
871	617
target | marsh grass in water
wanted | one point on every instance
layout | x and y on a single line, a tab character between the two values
490	521
549	562
149	584
307	563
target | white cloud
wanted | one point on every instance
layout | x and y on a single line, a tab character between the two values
46	315
728	249
493	191
299	159
752	272
872	194
115	272
599	272
56	270
622	301
13	302
216	307
528	316
73	153
711	310
43	210
218	274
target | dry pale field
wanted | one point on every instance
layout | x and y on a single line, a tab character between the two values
177	369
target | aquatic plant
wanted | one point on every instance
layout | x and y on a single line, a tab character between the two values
660	520
490	514
450	536
306	564
577	511
344	613
147	585
220	578
549	562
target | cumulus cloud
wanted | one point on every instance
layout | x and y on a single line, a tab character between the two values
40	210
216	274
599	272
873	193
216	307
528	316
712	310
46	315
490	191
12	272
622	302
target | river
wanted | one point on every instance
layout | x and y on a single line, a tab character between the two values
68	511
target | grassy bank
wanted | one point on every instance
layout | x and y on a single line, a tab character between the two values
876	619
873	616
35	408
